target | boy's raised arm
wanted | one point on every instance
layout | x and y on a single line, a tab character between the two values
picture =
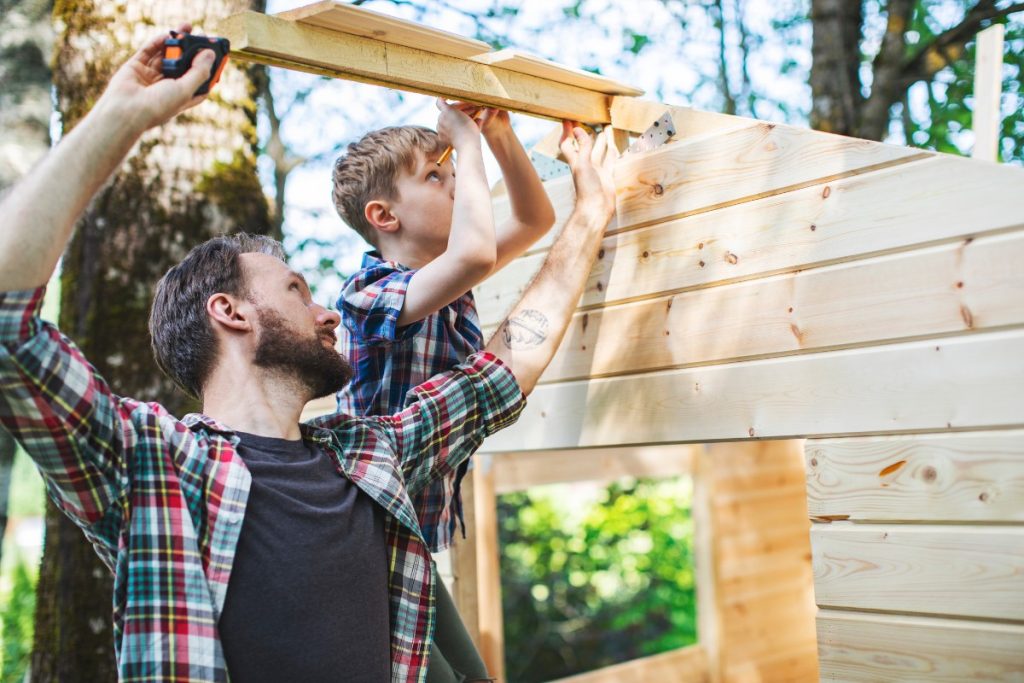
40	211
532	213
471	246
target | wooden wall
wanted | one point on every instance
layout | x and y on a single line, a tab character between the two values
766	282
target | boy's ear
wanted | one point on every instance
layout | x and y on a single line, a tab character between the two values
378	214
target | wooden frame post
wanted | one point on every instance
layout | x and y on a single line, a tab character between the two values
988	86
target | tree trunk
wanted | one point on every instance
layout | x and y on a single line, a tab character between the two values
24	133
192	179
836	97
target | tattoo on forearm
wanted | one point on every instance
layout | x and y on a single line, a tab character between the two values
526	329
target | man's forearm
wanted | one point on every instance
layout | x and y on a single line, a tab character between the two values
40	211
529	337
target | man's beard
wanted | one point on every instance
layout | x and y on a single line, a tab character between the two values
318	368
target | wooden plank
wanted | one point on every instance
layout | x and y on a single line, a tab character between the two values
358	21
524	62
520	471
636	116
970	382
705	564
693	175
465	583
870	648
936	291
988	87
269	40
712	172
942	570
752	542
685	665
969	477
488	572
912	205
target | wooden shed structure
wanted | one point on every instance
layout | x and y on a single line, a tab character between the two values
826	333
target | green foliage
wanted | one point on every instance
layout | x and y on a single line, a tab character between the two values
607	582
16	623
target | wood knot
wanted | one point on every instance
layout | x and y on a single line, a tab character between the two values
826	192
732	258
600	254
960	285
750	431
645	255
658	190
700	245
700	263
983	497
929	474
814	462
813	227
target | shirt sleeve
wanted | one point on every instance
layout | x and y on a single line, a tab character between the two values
449	417
371	302
61	411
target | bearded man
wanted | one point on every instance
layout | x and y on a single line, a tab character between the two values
241	541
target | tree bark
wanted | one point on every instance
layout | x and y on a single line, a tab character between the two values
192	179
24	133
836	96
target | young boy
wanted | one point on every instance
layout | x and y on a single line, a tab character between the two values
408	313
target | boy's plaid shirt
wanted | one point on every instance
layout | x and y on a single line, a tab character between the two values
390	360
162	499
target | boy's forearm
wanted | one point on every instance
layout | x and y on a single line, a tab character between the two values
472	233
40	210
529	337
530	204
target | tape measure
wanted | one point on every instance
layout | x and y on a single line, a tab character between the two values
181	48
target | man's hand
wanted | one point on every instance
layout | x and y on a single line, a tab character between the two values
591	163
142	96
40	212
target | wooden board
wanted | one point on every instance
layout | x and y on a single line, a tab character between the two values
937	291
636	115
932	201
270	40
976	381
358	21
958	571
870	648
520	471
686	665
753	562
969	477
524	62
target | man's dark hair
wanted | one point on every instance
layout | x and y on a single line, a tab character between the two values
182	336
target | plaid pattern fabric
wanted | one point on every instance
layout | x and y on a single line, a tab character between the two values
389	361
162	500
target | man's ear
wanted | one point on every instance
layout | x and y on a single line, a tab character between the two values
378	214
229	312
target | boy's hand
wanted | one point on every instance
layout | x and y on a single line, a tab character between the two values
591	163
142	96
455	126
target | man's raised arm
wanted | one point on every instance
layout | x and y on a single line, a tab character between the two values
39	212
528	338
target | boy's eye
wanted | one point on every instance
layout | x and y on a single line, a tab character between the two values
433	175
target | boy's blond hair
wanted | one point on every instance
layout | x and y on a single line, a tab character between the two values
369	170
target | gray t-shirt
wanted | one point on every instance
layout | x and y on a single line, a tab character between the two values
308	595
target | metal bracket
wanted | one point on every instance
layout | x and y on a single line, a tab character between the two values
548	167
659	132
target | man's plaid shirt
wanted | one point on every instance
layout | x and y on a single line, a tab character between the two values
162	500
390	360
